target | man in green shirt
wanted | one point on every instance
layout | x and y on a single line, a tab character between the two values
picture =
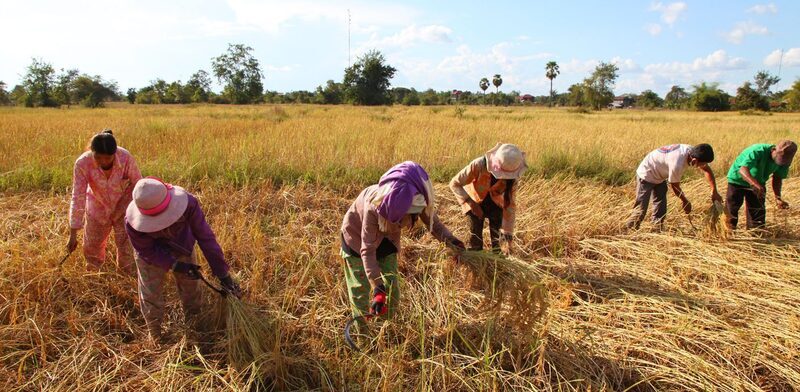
747	180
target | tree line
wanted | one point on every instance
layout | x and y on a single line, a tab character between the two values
367	82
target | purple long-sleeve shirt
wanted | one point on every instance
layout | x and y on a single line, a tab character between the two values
159	248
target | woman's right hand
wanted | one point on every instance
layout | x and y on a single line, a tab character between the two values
72	244
476	209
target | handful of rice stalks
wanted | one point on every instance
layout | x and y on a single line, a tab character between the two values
252	341
716	220
507	281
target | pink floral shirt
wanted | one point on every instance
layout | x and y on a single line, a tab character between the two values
102	198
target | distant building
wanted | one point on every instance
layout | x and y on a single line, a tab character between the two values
621	102
526	98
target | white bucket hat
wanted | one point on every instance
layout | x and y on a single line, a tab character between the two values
156	205
506	161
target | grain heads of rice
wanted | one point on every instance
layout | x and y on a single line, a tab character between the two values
507	281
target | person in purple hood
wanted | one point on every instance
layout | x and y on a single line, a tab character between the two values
371	235
164	222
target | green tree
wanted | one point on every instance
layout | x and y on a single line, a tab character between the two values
575	95
793	96
411	98
598	87
497	81
484	84
428	97
131	95
92	91
677	98
175	93
198	88
551	72
38	83
649	100
241	73
63	91
764	82
18	95
709	98
749	98
152	94
331	94
5	97
367	81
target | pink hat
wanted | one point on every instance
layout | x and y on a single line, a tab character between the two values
506	161
156	205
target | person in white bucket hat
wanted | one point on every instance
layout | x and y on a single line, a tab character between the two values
486	189
164	222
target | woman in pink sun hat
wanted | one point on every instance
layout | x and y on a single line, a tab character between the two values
486	189
164	222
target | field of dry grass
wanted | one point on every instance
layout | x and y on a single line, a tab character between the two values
685	309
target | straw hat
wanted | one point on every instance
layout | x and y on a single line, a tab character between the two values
506	161
156	205
784	152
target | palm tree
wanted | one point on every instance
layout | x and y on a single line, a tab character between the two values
484	84
497	81
552	72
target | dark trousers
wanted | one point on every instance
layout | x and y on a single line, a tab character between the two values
644	191
756	208
494	214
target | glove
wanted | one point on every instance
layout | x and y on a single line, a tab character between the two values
229	285
378	306
189	269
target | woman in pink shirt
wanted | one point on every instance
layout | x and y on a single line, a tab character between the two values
102	183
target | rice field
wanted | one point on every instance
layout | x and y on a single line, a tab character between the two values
690	308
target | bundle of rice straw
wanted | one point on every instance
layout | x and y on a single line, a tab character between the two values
716	220
507	281
252	342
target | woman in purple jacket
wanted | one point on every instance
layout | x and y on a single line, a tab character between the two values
164	222
371	235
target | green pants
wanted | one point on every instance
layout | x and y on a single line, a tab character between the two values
358	288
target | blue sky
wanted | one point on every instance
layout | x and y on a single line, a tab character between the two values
439	44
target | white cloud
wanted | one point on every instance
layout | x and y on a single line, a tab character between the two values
791	58
763	9
581	67
670	12
709	66
743	29
636	84
521	71
653	29
366	16
410	36
626	65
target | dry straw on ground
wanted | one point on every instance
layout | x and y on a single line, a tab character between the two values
507	283
677	310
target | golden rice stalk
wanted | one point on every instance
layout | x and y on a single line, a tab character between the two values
253	342
716	220
507	281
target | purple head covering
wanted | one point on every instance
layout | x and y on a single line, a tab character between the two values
409	180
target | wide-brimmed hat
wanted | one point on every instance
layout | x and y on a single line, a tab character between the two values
784	152
506	161
156	205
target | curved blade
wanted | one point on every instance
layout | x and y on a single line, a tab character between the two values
348	326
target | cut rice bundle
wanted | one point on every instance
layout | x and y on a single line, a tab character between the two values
252	341
716	220
507	281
